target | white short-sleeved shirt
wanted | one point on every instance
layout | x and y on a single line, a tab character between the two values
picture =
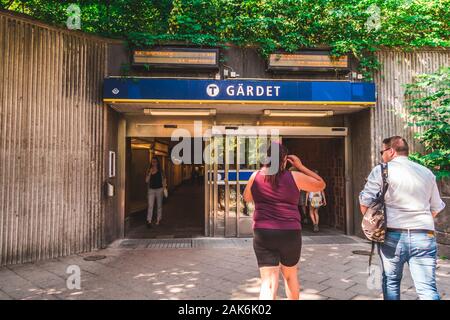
411	197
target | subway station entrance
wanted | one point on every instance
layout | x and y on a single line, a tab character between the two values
205	191
206	179
226	212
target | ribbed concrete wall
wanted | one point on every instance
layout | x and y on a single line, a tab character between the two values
397	69
51	141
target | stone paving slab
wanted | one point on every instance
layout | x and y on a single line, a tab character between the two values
201	269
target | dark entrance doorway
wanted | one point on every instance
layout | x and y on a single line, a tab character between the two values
183	210
327	156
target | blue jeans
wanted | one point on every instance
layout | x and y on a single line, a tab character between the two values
419	251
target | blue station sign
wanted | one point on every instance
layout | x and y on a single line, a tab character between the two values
141	90
233	176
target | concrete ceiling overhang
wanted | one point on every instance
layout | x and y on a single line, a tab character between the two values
238	108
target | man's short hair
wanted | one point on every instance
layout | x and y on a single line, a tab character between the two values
398	144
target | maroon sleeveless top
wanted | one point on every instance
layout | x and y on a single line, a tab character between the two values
276	207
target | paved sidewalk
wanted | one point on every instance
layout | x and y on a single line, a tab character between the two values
201	269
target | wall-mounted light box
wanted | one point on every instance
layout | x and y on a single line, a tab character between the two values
307	61
169	58
112	164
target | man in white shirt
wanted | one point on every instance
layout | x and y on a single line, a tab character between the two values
412	201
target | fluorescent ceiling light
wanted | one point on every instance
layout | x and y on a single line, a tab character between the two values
180	112
294	113
140	146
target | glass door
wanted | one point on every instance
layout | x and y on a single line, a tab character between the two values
221	191
233	159
251	150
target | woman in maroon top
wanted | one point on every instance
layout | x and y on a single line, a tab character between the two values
276	221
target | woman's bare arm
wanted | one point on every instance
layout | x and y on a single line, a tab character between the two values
248	192
147	176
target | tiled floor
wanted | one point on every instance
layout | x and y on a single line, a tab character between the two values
217	269
185	223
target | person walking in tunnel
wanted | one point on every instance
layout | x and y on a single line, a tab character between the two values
411	201
302	202
302	205
316	200
156	181
277	239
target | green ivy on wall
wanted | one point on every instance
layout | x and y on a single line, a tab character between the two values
358	27
428	105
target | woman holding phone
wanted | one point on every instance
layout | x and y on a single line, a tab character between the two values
156	181
277	237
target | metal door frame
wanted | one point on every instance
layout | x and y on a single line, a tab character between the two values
211	183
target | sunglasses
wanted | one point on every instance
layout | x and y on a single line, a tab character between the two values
382	151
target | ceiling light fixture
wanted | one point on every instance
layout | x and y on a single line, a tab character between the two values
180	112
294	113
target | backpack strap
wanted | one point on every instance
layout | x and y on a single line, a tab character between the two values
371	255
384	175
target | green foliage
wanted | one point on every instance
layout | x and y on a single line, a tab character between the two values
347	26
429	108
113	18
